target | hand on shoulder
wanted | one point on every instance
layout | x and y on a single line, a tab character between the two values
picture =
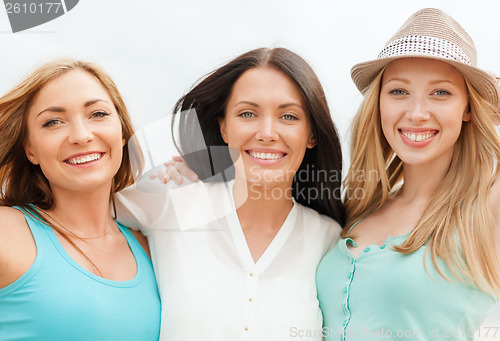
17	246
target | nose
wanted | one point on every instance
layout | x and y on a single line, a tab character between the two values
267	130
80	133
417	110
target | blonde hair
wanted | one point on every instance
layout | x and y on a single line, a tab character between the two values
23	183
457	225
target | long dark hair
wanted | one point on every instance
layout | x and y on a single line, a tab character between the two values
318	179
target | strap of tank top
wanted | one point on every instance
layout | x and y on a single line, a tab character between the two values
35	225
133	242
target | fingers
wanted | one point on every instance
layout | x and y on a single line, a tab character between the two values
173	173
183	169
177	166
174	170
161	174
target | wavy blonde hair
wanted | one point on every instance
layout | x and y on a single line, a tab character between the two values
457	225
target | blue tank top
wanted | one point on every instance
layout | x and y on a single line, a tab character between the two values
383	294
57	299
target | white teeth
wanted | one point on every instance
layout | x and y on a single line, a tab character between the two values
85	159
266	156
418	137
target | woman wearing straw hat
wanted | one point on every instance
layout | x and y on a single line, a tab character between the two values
417	258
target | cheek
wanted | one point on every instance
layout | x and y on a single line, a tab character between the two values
388	121
455	127
114	134
298	138
42	149
386	130
115	142
236	134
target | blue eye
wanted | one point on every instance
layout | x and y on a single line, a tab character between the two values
398	92
51	123
289	117
100	114
246	114
442	92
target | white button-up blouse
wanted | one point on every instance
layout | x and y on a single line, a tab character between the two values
210	287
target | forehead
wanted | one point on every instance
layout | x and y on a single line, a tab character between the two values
266	83
72	85
422	68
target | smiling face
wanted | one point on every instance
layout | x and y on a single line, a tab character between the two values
266	121
423	103
74	133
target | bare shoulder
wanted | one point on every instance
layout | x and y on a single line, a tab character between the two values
17	245
142	240
11	222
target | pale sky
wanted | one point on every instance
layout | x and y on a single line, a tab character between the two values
155	50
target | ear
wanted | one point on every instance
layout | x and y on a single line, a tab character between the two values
29	154
123	141
312	142
223	131
467	115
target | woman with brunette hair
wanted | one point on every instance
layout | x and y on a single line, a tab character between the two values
418	257
208	100
67	270
236	258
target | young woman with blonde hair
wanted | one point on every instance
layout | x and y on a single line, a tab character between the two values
418	257
67	270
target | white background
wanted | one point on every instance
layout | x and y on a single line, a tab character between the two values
155	50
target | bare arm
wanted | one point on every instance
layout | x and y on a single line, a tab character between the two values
17	246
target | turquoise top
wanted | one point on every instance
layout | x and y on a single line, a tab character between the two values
57	299
383	294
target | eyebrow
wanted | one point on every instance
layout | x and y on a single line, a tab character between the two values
60	109
432	82
406	81
441	81
246	102
281	106
290	105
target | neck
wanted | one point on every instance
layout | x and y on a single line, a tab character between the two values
258	205
421	182
83	213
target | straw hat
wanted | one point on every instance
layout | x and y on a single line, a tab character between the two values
431	33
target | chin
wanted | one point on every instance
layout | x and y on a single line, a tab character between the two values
270	177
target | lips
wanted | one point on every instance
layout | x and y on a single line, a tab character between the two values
83	158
